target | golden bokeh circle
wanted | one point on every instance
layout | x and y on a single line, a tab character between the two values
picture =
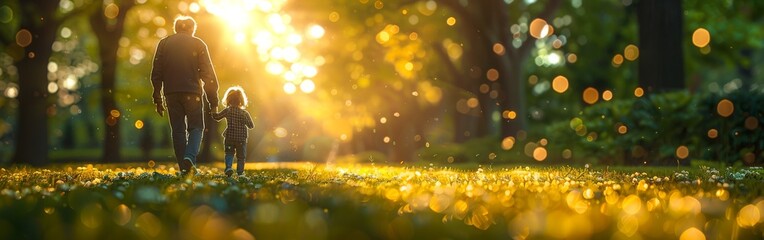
591	95
492	74
701	37
713	133
682	152
725	108
539	28
607	95
539	154
498	49
560	84
639	92
631	52
507	143
623	129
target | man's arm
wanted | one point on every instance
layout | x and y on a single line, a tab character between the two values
217	116
157	77
207	74
249	122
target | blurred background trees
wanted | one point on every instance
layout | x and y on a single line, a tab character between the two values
436	80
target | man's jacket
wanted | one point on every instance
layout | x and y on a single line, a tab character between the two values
182	65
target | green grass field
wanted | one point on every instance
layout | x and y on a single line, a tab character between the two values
333	201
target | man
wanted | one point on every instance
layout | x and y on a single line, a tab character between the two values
183	71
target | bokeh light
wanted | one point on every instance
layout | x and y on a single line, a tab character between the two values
748	216
540	29
539	154
572	58
607	95
631	52
617	59
639	92
451	21
622	129
280	132
307	86
316	31
498	49
111	11
591	95
290	88
701	37
713	133
492	74
725	108
23	38
692	234
507	143
560	84
6	14
334	16
682	152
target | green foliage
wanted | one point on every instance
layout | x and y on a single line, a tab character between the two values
654	127
740	136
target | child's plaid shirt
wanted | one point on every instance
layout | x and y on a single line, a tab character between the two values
238	123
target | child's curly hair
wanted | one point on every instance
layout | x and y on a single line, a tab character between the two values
235	97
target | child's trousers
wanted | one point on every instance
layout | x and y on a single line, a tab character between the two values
240	151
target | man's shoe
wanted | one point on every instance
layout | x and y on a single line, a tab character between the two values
187	165
229	172
184	165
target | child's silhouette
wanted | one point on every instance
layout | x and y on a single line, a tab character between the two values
235	135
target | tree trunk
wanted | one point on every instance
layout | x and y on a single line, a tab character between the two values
108	102
661	62
513	98
108	33
32	141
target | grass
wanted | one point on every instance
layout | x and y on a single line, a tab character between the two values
371	201
95	154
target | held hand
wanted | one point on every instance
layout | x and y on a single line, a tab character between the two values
160	109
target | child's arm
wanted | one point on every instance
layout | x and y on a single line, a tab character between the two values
249	122
219	116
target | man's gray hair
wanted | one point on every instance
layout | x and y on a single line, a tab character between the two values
185	24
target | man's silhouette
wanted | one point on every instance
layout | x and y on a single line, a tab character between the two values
183	73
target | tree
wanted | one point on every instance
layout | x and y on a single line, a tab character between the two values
108	23
727	43
661	63
39	23
487	29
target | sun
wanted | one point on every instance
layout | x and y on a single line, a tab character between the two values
269	30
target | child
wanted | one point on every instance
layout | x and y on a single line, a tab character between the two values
235	134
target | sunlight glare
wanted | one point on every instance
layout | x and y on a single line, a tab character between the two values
309	71
290	88
274	68
307	86
316	31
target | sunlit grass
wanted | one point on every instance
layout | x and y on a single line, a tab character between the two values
330	201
